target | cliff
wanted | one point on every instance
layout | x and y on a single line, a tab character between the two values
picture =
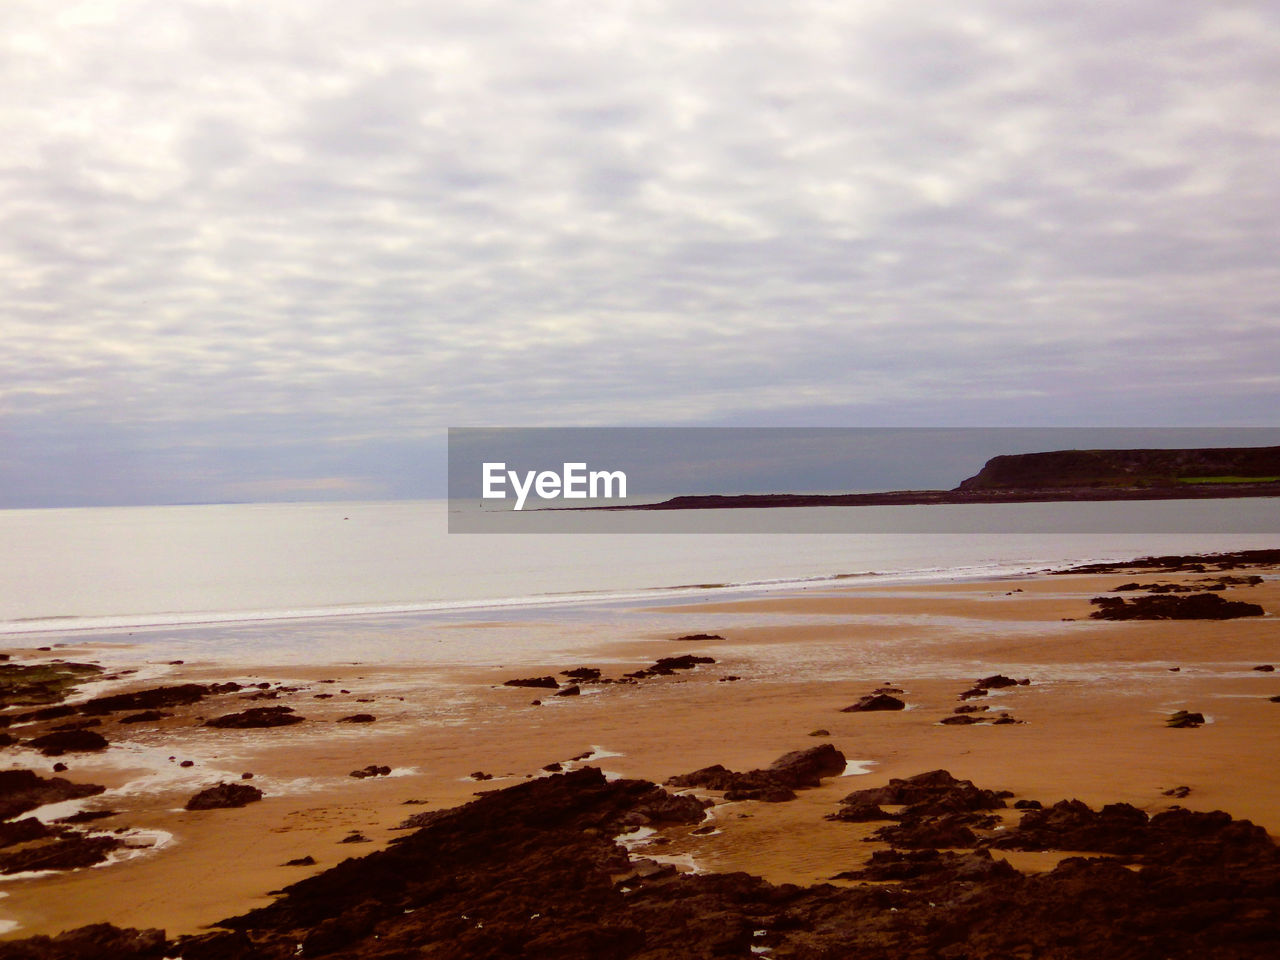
1060	469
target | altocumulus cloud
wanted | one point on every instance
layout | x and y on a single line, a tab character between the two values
270	246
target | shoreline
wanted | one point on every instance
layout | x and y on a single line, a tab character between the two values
1093	729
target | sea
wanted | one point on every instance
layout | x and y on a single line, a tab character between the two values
296	580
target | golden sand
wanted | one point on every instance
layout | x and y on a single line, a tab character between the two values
1093	729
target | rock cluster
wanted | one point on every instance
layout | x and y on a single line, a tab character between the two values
1195	606
773	784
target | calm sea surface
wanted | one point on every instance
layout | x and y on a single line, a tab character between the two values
107	568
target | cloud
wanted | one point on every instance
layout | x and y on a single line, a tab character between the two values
223	220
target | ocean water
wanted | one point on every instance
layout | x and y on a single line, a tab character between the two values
103	569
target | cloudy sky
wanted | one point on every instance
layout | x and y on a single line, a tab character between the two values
273	248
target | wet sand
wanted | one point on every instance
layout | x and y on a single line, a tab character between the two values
1093	729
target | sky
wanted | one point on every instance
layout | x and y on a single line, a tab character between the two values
273	249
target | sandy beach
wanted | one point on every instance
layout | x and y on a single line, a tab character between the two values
1091	725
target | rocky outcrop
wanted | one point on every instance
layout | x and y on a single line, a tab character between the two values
256	717
548	683
29	684
58	742
666	666
1196	606
875	701
775	783
179	695
533	871
224	795
67	850
1125	468
24	790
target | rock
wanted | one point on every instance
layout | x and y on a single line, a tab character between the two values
731	678
88	816
1028	805
355	837
820	732
64	852
971	708
896	865
358	718
1177	793
572	691
666	666
60	767
224	795
699	636
999	681
373	770
23	831
100	941
69	741
553	768
530	871
774	784
1183	718
581	673
960	719
1265	668
180	695
875	701
934	793
146	716
187	763
23	684
481	775
973	693
1196	606
307	861
256	717
547	682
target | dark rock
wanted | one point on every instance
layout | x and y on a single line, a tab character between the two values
699	636
358	718
929	794
998	681
246	776
60	767
101	941
971	708
146	716
355	837
547	682
156	698
666	666
973	693
948	830
1196	606
256	717
530	871
69	741
1265	668
553	768
776	783
481	775
224	795
896	865
23	831
1028	805
960	719
1183	718
731	678
307	861
187	763
820	733
64	852
34	684
373	770
581	673
875	701
1177	793
571	691
87	816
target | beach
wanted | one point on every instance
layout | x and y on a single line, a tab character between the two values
1091	725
